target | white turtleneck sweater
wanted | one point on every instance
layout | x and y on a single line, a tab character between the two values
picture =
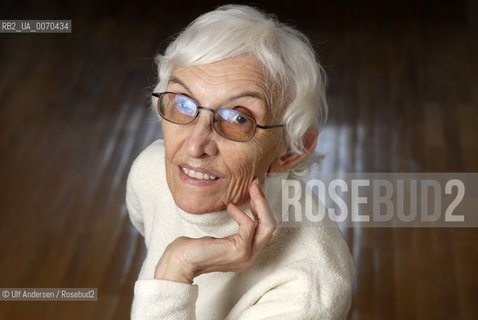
303	273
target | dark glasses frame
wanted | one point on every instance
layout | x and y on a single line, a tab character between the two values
198	107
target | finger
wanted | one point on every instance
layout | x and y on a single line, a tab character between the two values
266	222
259	206
247	226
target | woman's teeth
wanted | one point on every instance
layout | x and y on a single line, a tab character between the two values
198	175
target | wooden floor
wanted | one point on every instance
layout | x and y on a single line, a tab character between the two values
74	114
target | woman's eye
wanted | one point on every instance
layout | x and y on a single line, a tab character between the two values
240	119
186	106
233	117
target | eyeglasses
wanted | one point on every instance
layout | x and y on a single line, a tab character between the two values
228	123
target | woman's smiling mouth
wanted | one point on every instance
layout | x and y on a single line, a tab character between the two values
198	175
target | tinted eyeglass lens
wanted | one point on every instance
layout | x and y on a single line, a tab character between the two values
177	108
234	124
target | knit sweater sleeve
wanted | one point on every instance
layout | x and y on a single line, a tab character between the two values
163	299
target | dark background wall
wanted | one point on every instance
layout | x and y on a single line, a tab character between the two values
403	97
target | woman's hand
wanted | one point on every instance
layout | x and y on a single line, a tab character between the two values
186	258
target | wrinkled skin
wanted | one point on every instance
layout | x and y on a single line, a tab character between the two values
198	145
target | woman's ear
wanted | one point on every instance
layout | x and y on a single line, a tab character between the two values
290	159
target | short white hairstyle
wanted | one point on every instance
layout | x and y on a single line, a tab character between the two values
298	81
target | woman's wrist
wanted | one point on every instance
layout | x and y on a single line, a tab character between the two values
169	269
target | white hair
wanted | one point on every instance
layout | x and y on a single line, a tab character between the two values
297	79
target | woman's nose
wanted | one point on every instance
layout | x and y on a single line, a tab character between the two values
201	140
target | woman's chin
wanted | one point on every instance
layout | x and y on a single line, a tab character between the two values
198	207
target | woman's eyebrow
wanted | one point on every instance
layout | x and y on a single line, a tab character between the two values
253	94
174	79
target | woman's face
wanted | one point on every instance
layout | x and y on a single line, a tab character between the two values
236	83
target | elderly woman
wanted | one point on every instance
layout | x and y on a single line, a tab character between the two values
241	97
